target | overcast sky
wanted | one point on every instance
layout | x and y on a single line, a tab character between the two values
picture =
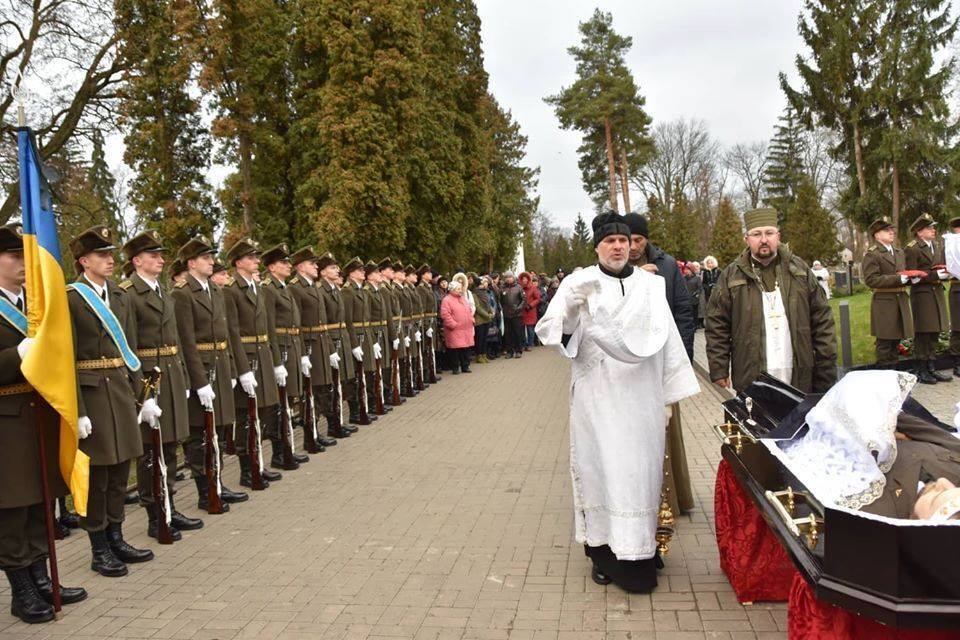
715	60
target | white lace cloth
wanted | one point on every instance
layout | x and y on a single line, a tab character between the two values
850	443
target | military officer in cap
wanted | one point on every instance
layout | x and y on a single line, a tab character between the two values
285	317
954	303
108	375
23	539
929	304
375	355
391	310
204	339
156	341
356	317
220	275
256	353
428	307
341	357
313	331
404	329
890	318
416	334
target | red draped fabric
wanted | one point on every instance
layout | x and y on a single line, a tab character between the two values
751	556
810	619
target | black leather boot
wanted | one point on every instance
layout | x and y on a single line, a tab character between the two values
276	459
132	497
203	498
245	477
122	549
153	524
104	562
941	377
182	522
68	518
25	601
327	442
923	376
272	476
229	496
334	430
41	580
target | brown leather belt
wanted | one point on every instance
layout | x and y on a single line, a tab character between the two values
102	363
212	346
890	290
254	339
15	389
288	331
168	350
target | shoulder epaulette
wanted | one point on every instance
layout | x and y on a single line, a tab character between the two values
229	281
180	285
912	243
126	284
873	247
268	282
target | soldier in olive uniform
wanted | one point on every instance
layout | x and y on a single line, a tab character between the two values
204	338
23	539
106	402
416	333
256	354
954	304
374	357
178	271
340	355
391	311
157	343
220	275
890	318
355	317
285	317
929	305
428	306
407	330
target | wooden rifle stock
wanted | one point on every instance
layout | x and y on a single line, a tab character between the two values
309	418
378	388
418	373
432	363
211	463
395	376
161	499
229	441
286	428
364	416
253	445
337	400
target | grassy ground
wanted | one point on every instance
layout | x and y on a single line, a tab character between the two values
863	351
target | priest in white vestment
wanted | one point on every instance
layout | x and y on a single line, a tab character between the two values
629	364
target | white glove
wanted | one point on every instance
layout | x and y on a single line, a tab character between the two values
396	343
377	351
915	280
24	347
84	427
280	373
249	383
358	353
942	274
406	341
904	279
188	393
305	365
335	360
150	413
206	395
430	332
233	383
417	336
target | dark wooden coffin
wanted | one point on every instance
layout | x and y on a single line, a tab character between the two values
901	576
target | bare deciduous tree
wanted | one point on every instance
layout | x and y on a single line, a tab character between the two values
684	151
748	162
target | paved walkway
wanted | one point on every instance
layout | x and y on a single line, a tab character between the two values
450	518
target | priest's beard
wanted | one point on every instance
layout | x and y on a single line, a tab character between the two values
614	264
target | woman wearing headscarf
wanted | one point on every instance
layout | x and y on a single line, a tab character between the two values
529	314
457	326
465	290
482	318
709	275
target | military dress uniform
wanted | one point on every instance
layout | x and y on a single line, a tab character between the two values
285	317
339	345
253	343
107	397
409	310
377	316
356	318
927	301
316	342
954	303
156	341
23	539
890	317
416	331
428	306
204	339
391	310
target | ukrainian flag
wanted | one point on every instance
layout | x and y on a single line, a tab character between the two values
50	365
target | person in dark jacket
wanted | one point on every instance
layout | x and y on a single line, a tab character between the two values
709	275
695	288
511	303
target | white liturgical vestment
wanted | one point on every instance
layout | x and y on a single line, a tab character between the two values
629	363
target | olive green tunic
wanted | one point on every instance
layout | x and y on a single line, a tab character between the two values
286	319
890	315
927	297
313	332
253	337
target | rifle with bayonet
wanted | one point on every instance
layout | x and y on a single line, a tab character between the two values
311	438
378	380
363	415
286	427
161	496
254	449
211	455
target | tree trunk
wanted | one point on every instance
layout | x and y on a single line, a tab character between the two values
895	213
610	165
624	183
246	192
858	157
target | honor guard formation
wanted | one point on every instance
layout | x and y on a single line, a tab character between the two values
230	360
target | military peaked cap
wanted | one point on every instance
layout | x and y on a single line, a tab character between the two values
242	248
304	254
194	247
11	237
276	254
98	238
146	241
924	221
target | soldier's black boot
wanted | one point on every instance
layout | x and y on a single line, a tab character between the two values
932	368
276	459
246	479
203	497
153	524
956	366
122	549
182	522
923	376
229	496
41	580
334	430
25	601
104	562
68	518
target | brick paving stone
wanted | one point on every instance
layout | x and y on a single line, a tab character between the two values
450	518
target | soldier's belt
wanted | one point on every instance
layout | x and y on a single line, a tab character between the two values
254	339
212	346
167	350
890	290
15	389
102	363
397	318
335	325
320	328
288	331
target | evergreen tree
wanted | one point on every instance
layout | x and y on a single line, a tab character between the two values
784	171
810	230
679	225
726	241
103	184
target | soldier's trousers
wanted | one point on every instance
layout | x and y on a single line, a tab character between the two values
193	449
955	343
925	344
108	489
887	351
385	376
23	536
145	470
269	426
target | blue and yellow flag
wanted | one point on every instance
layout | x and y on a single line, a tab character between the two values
50	365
